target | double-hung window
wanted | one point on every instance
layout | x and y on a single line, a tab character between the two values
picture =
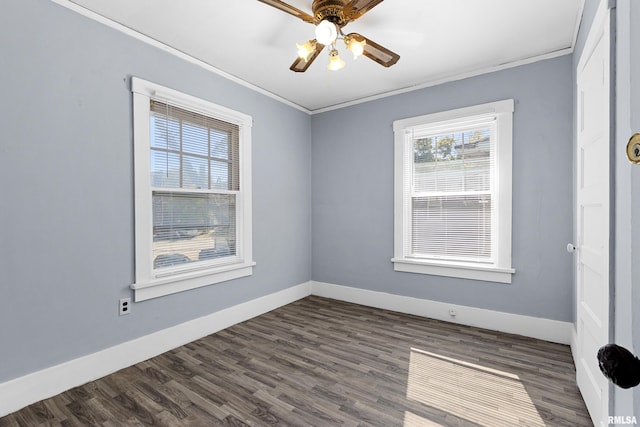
192	192
453	193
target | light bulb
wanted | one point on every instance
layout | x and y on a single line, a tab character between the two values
326	32
306	49
335	62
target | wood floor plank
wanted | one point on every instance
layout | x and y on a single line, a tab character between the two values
323	362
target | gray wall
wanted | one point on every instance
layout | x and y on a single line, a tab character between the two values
352	192
66	182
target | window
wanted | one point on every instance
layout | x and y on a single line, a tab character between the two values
453	193
192	192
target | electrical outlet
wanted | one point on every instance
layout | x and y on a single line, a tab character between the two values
452	312
124	306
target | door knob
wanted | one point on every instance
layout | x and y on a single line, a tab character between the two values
633	148
571	248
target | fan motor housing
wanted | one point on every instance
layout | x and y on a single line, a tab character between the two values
331	10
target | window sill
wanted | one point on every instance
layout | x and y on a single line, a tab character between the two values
452	269
170	285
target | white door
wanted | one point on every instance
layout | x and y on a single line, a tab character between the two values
593	226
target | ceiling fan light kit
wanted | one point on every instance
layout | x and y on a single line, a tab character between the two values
329	17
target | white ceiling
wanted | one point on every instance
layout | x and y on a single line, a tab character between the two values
437	40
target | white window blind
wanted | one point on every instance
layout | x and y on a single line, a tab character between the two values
194	166
452	188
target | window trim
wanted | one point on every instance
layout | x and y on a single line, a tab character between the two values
501	270
148	284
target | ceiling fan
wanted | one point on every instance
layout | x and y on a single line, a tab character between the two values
329	17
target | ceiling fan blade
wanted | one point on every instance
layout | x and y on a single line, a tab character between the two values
373	50
289	9
356	8
300	65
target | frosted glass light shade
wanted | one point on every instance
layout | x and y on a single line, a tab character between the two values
306	49
326	32
335	62
356	47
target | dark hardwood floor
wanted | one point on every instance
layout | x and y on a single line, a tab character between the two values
322	362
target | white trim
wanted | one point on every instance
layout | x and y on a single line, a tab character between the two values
500	269
576	30
534	327
479	72
434	119
43	384
185	282
148	283
190	102
459	270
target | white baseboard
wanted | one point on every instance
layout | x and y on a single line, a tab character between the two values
535	327
20	392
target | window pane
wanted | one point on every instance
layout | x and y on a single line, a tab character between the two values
165	169
220	175
456	227
192	227
219	144
165	132
195	139
453	162
194	172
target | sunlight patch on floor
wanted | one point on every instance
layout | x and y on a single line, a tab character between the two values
475	393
